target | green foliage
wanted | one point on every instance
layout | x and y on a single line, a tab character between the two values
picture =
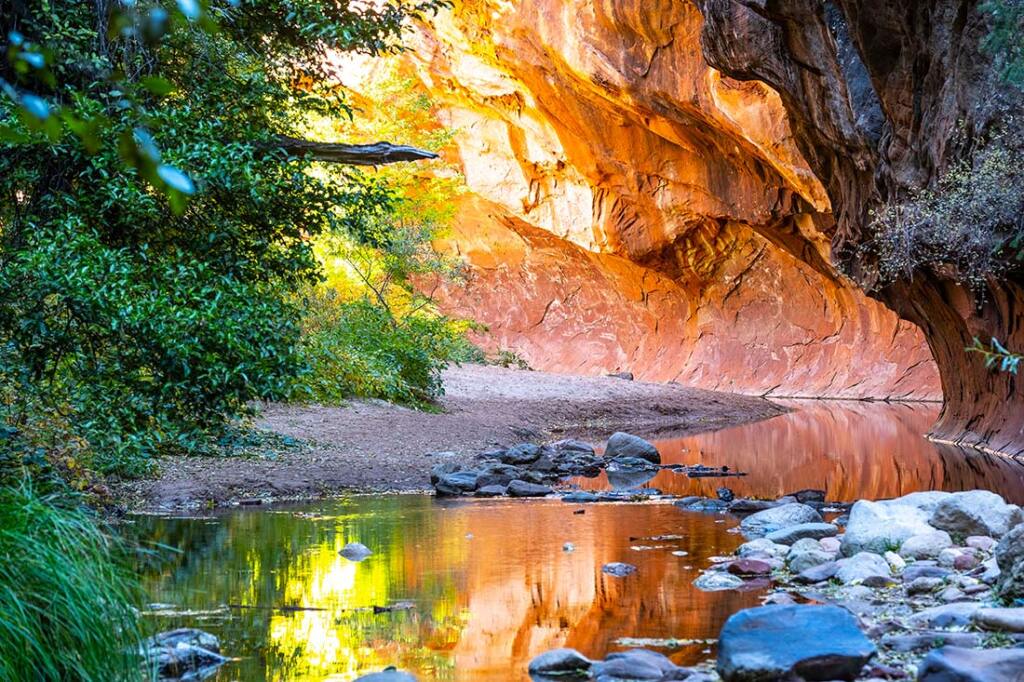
997	356
65	597
972	220
1006	39
357	348
151	230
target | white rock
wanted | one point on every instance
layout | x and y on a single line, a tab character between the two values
776	518
896	562
862	566
925	545
948	556
976	512
762	546
716	581
881	526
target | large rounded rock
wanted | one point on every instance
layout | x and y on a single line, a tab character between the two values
1005	620
717	581
627	445
1009	556
953	664
926	545
457	483
524	453
561	663
880	526
863	566
389	674
794	641
976	512
524	489
785	516
814	531
635	665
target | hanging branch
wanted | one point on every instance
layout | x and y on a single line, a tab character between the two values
376	154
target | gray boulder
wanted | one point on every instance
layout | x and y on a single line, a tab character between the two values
457	483
819	573
627	445
976	512
770	520
717	581
925	545
800	559
861	567
524	453
183	653
958	614
573	445
497	473
561	663
579	496
1009	556
635	665
792	641
524	489
880	526
1005	620
814	531
761	546
355	551
953	664
491	491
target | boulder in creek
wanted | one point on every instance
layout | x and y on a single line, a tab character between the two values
457	483
955	664
627	445
800	559
814	531
717	581
762	546
448	466
880	526
1009	556
183	652
355	551
491	491
519	488
770	520
745	567
389	674
523	453
808	496
636	664
792	641
701	504
862	567
746	505
976	512
567	664
1002	619
925	545
618	569
497	473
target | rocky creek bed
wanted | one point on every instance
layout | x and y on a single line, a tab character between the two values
927	586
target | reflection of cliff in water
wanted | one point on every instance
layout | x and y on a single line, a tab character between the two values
851	449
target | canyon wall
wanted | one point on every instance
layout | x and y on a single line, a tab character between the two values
632	209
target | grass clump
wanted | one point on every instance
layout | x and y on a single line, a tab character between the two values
65	595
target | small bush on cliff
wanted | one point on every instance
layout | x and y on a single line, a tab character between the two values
972	221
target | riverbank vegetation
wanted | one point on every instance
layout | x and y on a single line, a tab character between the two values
162	226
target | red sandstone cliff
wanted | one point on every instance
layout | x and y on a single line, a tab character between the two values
636	210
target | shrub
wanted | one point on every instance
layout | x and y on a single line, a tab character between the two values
357	348
65	597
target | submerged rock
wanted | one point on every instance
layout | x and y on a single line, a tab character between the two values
954	664
355	551
783	641
579	496
183	653
627	445
777	518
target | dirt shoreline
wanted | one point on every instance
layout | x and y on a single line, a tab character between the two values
375	446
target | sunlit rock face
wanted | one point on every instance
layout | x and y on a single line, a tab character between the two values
636	210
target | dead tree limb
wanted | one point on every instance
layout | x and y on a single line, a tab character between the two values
376	154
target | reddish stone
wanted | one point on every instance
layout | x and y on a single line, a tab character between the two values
744	567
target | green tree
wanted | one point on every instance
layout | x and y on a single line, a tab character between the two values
157	209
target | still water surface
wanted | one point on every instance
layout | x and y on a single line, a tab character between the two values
481	586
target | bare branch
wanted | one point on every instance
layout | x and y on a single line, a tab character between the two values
376	154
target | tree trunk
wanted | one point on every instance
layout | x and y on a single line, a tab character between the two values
376	154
